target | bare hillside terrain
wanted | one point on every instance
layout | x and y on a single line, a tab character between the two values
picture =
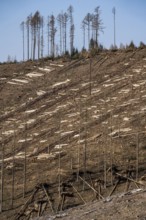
71	133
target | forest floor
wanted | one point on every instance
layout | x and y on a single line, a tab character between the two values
73	130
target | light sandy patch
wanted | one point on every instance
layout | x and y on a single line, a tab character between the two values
55	64
107	85
143	109
62	93
46	69
126	64
124	91
64	121
30	121
21	126
62	106
84	96
115	116
108	100
104	122
8	132
81	141
114	98
76	136
73	114
21	80
95	116
136	85
41	92
59	146
107	80
142	83
85	84
94	91
3	78
30	111
70	126
35	134
58	132
125	119
24	140
42	106
74	90
19	155
30	98
61	83
66	133
34	74
44	156
137	70
43	141
14	83
121	130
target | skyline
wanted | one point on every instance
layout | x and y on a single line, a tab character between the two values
130	21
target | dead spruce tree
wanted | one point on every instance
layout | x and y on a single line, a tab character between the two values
28	30
48	35
72	29
87	22
22	25
52	34
65	20
42	36
60	24
93	24
83	26
97	25
36	31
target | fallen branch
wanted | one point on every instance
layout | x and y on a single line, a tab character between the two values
91	187
78	193
48	198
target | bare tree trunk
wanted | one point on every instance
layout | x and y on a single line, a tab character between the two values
137	157
60	23
22	27
13	169
2	177
48	25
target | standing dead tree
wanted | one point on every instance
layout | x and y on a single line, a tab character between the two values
36	21
22	25
97	26
52	34
87	22
28	27
48	35
83	26
114	13
42	37
72	29
60	24
65	20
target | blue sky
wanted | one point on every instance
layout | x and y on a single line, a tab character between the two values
130	21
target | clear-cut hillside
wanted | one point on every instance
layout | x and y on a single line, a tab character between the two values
66	122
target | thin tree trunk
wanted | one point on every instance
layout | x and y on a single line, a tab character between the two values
2	177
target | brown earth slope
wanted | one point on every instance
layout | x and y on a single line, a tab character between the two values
75	126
